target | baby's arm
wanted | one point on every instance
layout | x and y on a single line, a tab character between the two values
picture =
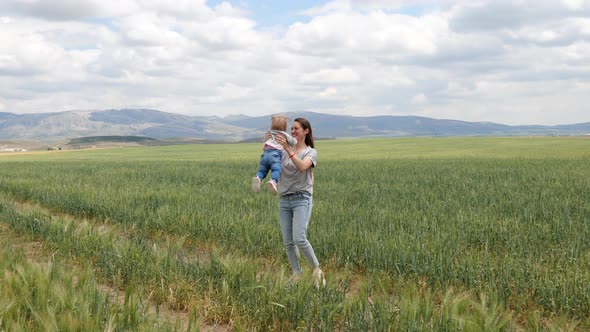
290	139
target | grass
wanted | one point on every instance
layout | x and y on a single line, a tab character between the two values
417	234
50	296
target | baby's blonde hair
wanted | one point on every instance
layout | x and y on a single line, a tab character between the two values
278	122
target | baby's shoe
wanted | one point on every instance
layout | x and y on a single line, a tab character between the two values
255	184
272	187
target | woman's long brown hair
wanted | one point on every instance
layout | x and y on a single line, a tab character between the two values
306	125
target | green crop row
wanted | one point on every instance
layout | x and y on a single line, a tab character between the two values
224	290
48	295
507	217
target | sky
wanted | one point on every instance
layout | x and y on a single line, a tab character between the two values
513	62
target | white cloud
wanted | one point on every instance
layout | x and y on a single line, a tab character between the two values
339	6
226	9
329	93
25	52
226	93
147	29
68	10
375	34
224	33
419	99
574	4
503	61
331	76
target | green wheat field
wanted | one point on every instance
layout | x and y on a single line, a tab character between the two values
414	234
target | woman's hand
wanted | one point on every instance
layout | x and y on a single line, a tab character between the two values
282	140
267	136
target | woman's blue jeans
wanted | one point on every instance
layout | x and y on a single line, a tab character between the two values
295	210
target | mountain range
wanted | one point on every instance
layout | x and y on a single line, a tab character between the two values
63	126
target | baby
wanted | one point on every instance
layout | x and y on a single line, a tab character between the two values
272	155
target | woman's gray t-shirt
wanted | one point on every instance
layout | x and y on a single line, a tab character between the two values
292	180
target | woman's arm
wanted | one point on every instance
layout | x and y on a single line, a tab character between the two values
301	164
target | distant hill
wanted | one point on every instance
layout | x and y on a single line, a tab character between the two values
340	126
6	116
112	139
64	126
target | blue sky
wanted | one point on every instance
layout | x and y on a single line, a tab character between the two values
269	13
524	62
273	13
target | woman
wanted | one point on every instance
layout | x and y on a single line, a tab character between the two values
295	190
